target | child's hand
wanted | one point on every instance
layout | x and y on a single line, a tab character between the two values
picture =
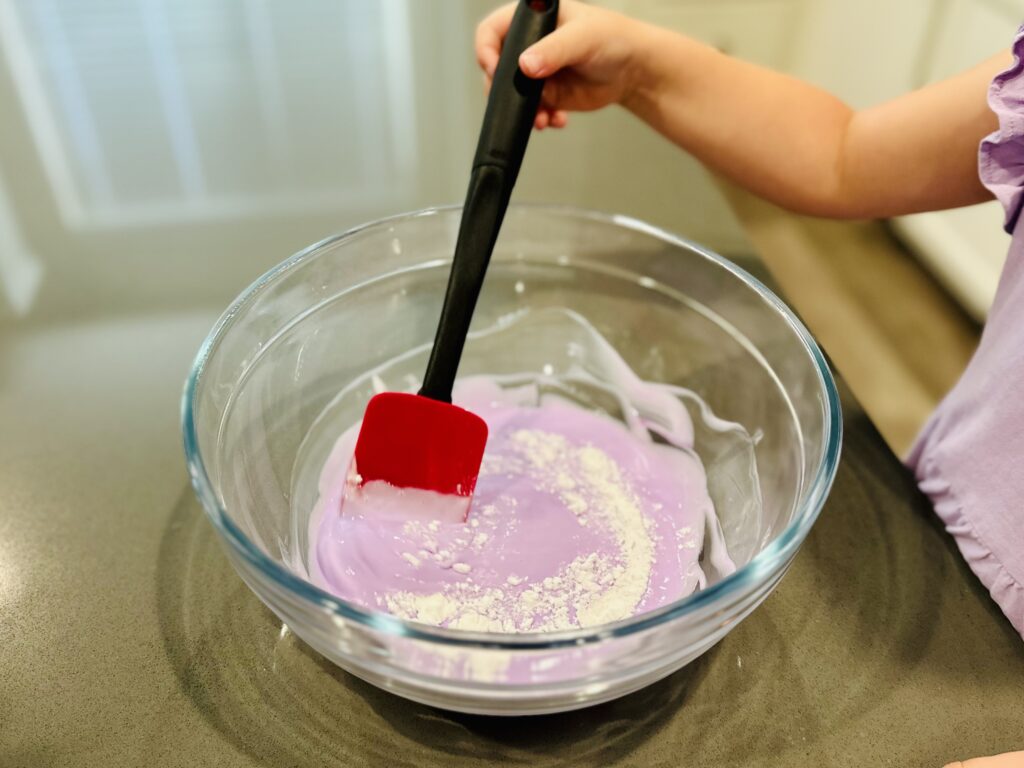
589	60
1009	760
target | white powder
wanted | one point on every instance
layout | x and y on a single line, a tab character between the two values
687	539
592	589
576	503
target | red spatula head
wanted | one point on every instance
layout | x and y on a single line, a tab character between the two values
410	441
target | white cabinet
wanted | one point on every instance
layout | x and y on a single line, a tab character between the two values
867	52
762	31
615	163
965	248
968	31
872	50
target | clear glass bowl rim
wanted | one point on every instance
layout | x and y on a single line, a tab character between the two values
779	552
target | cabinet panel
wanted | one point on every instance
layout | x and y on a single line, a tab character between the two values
762	31
970	31
965	248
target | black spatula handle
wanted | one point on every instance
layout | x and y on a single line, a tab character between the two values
504	134
514	97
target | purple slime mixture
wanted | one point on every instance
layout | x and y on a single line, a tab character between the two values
577	520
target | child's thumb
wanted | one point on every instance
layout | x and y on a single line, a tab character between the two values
562	48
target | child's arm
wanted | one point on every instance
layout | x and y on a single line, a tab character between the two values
782	139
802	148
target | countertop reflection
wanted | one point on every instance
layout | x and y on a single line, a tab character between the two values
157	156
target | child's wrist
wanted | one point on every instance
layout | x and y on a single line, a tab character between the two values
644	81
663	62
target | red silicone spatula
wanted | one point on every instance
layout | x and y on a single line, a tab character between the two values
423	441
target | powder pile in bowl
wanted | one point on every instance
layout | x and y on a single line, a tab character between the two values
578	518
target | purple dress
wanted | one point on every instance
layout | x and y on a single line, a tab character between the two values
969	458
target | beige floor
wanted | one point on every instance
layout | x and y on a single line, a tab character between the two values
896	337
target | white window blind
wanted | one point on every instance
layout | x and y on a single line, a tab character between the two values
143	111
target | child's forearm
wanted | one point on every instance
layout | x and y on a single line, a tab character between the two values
804	149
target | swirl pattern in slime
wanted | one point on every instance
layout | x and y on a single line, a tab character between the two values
578	519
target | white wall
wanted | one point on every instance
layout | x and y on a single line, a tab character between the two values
864	51
186	148
872	50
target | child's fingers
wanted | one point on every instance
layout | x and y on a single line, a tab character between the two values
551	95
567	45
553	118
490	34
550	118
1007	760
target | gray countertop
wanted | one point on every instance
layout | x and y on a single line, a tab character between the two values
128	639
156	157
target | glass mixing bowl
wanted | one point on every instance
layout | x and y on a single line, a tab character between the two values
313	327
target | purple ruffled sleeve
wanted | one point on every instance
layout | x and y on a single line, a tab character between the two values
969	459
1001	155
